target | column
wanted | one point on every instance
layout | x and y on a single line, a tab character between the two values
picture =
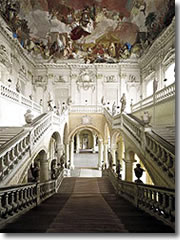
100	153
44	172
128	167
94	143
77	143
72	155
66	155
60	149
113	152
120	151
106	155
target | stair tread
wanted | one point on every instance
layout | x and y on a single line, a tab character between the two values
85	208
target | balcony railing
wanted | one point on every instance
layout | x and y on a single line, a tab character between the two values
86	109
12	95
157	201
159	96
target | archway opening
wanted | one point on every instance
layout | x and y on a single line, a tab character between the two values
38	170
86	152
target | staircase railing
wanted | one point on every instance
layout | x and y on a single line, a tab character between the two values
159	150
157	201
16	200
22	145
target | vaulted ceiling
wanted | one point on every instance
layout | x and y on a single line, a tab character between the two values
92	30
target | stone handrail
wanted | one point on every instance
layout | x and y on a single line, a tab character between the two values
13	95
13	152
155	149
163	94
162	153
86	109
157	201
22	145
132	127
17	200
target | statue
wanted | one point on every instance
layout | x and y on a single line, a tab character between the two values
35	171
28	116
41	102
50	107
9	82
69	101
103	101
118	170
146	118
62	160
53	169
138	172
123	102
18	86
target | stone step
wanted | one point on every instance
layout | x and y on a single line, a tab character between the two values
86	205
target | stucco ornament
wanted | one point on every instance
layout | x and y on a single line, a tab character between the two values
86	120
4	56
86	80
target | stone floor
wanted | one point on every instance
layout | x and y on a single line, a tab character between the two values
86	165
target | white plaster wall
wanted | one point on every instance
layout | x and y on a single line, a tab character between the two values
12	113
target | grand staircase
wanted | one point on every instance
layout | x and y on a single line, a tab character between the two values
7	133
166	132
86	205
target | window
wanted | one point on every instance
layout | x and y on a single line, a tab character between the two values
170	75
149	88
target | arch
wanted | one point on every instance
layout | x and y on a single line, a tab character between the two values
43	152
87	127
114	136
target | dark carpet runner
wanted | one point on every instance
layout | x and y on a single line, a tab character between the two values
85	205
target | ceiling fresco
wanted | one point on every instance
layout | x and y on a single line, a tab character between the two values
93	30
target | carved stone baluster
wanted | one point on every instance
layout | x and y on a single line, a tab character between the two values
12	156
7	162
2	209
23	200
8	207
163	205
2	167
13	203
164	160
169	207
31	195
160	201
19	150
26	197
16	154
18	199
170	161
151	200
155	204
